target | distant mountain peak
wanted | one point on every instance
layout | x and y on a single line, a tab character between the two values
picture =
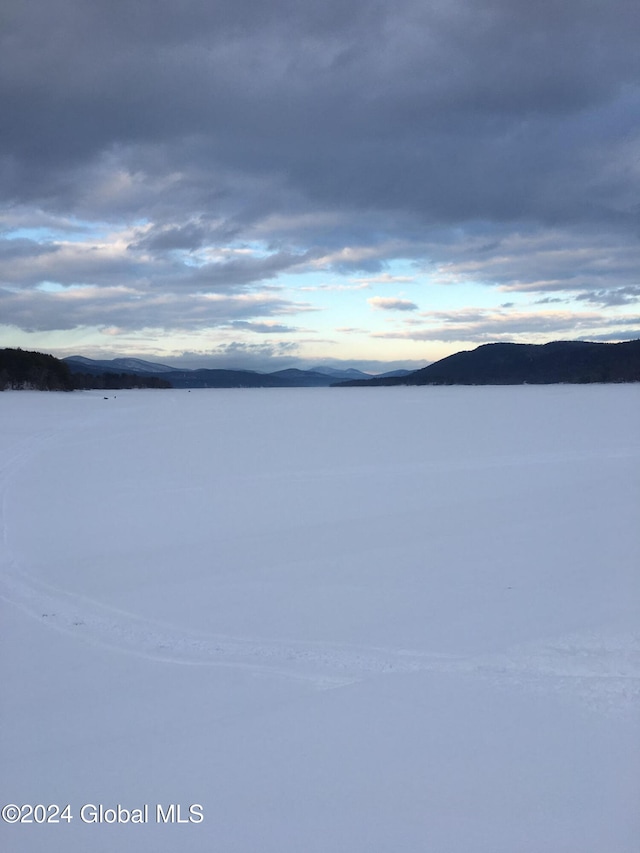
341	372
119	365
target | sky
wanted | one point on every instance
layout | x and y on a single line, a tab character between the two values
270	183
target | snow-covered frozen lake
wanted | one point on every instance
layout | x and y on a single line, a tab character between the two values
378	620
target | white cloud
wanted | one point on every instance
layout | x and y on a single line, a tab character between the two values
390	303
482	326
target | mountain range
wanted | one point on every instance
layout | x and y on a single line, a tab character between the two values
489	364
535	364
217	378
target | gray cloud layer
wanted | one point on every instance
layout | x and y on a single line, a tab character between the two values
497	139
460	110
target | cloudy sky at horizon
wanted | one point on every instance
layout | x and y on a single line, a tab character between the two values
276	183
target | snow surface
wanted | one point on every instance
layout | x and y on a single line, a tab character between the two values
341	620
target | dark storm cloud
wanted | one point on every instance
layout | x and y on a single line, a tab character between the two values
491	140
499	109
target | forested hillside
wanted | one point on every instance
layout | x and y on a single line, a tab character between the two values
22	370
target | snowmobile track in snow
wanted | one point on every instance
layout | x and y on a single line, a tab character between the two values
601	669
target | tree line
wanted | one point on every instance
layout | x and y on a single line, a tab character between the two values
36	371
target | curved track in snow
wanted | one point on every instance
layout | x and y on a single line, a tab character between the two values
602	668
